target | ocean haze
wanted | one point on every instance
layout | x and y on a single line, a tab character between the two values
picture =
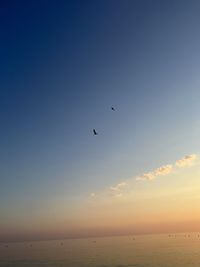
180	250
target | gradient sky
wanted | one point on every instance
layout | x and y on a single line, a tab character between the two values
63	64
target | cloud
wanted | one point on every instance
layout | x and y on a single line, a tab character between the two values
118	189
163	170
188	160
145	176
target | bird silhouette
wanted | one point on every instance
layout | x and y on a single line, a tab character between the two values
94	131
113	108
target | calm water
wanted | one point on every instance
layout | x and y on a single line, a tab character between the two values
178	250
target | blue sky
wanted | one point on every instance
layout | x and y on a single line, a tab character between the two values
64	64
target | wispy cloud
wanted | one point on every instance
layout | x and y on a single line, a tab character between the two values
163	170
123	186
118	189
188	160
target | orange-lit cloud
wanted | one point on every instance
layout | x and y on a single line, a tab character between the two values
188	160
163	170
118	189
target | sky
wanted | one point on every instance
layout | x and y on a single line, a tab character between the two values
63	64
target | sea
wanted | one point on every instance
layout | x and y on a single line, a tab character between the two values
163	250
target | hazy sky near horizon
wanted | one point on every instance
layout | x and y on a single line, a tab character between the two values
63	65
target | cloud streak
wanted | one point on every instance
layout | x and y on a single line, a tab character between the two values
188	160
119	189
163	170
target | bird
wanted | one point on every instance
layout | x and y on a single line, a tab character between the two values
113	108
94	131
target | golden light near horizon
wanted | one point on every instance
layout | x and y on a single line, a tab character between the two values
149	202
168	201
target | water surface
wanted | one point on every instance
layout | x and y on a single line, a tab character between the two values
180	250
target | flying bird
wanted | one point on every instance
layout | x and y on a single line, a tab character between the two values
113	108
94	131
